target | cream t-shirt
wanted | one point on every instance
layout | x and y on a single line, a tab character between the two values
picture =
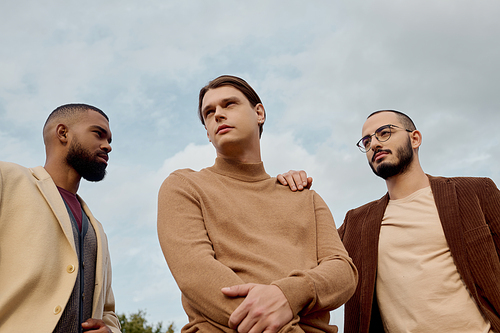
418	286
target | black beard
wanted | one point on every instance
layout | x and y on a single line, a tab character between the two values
85	163
387	170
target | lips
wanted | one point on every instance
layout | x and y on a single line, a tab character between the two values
104	157
223	128
380	154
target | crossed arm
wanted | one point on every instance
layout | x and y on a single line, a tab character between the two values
220	295
265	308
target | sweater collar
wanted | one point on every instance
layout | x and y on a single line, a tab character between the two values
251	172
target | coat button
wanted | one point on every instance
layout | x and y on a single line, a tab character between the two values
57	310
70	268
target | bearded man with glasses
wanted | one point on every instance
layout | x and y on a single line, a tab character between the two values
428	251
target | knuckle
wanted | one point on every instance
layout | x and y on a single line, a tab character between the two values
273	326
258	312
250	303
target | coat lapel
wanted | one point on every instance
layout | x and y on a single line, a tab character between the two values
370	233
445	197
49	191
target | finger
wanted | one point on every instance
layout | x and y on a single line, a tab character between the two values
261	327
90	323
256	322
290	179
237	317
298	178
269	329
282	179
238	290
303	176
95	325
309	182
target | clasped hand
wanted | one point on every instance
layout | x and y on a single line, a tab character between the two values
95	326
264	310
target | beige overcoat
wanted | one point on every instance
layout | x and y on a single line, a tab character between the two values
38	260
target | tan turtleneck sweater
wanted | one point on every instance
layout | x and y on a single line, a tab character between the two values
232	224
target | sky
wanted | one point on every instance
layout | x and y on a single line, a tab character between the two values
320	67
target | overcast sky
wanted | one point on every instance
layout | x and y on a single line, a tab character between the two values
320	68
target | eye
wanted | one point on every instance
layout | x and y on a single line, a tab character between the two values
383	132
208	112
366	141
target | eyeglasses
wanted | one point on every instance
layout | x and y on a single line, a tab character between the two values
382	134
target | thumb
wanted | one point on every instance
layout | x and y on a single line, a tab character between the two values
89	323
238	290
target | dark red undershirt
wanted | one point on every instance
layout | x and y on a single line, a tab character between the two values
74	205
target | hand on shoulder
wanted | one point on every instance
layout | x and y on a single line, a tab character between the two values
296	180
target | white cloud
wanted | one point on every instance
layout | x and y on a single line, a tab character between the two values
320	68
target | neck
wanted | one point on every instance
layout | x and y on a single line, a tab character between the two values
63	175
247	154
404	184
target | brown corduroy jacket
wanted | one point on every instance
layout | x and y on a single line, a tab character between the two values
469	210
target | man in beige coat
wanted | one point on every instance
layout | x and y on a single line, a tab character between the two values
55	269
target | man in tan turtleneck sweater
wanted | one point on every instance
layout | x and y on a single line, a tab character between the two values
248	254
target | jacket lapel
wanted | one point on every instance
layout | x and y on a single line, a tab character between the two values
49	191
445	197
370	233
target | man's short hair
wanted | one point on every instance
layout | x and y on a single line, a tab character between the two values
235	82
403	118
72	110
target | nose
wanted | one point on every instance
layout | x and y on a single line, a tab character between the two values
219	114
106	147
375	144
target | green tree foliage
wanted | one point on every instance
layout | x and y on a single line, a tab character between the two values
137	323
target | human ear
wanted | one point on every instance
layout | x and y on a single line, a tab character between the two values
62	133
416	139
261	113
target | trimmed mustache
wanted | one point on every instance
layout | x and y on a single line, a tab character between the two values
378	151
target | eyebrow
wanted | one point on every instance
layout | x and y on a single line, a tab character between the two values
388	125
223	101
102	130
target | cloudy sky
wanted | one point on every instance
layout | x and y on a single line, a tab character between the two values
320	68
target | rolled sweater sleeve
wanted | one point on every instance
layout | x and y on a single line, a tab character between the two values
333	281
189	252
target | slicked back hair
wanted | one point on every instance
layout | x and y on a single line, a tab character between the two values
403	118
71	110
235	82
